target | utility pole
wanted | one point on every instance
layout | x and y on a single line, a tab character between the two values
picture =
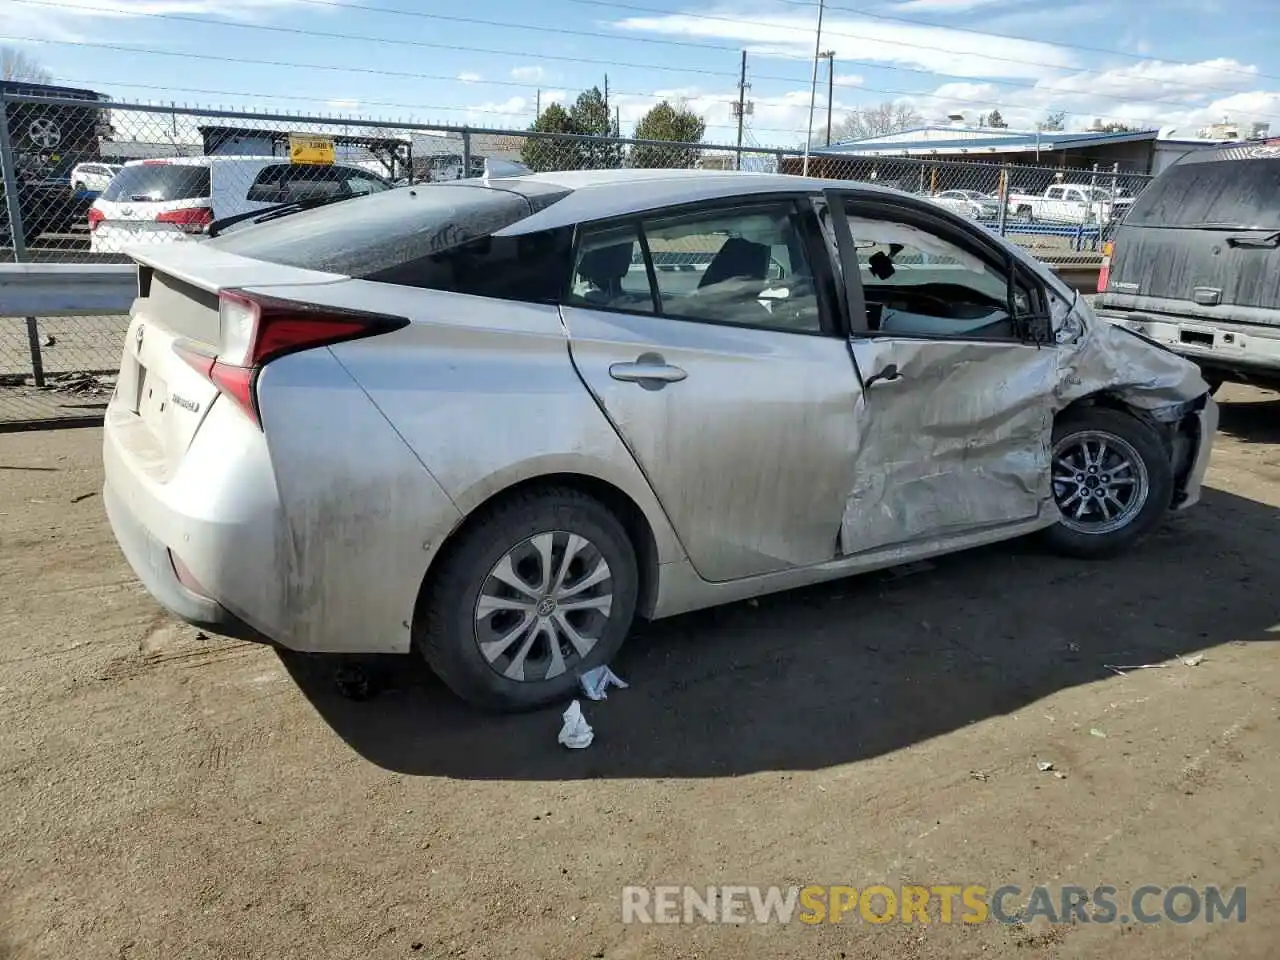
740	108
538	109
813	89
830	57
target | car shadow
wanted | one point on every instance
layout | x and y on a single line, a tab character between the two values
1255	419
847	670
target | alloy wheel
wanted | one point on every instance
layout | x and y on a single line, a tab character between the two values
1100	482
543	606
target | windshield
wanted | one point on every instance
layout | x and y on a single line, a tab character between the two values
1209	195
159	182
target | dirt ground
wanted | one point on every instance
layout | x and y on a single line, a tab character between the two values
168	795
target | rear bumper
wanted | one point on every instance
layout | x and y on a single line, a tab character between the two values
152	564
217	514
1248	350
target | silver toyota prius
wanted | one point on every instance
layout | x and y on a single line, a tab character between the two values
493	421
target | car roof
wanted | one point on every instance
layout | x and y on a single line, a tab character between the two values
595	194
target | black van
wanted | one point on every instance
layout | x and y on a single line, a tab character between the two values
1195	265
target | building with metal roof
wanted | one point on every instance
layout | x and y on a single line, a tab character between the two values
1139	151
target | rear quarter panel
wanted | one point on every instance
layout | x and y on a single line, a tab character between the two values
362	517
486	395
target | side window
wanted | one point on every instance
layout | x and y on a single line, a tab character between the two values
1053	193
918	283
359	183
610	271
746	266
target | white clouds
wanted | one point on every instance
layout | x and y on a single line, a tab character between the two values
343	104
934	49
528	74
470	77
1147	94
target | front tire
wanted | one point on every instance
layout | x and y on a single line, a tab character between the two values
1112	482
538	590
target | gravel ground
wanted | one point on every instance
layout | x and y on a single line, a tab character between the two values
166	794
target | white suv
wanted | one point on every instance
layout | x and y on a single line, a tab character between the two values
92	177
162	201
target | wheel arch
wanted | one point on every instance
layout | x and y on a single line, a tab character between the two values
629	513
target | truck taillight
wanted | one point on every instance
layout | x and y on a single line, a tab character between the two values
190	220
258	329
1104	273
96	216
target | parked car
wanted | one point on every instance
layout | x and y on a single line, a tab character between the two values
161	201
1195	265
1072	203
92	177
969	203
472	420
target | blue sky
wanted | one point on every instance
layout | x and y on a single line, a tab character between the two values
1172	63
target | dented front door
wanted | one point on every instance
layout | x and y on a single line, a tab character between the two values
954	436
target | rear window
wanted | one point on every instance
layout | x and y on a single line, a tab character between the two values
399	235
1218	194
159	182
283	183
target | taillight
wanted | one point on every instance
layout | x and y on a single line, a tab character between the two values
258	329
190	220
96	216
1104	273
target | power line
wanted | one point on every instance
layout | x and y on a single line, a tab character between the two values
1008	36
219	58
298	31
920	46
179	108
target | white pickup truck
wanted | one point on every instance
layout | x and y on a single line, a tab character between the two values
1069	203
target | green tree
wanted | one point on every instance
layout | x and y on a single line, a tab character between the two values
677	124
995	120
591	117
1055	121
549	153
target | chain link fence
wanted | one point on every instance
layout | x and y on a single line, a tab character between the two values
85	179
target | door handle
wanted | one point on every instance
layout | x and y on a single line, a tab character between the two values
647	369
889	374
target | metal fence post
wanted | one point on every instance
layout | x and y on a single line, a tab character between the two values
466	154
9	171
33	345
1003	193
781	155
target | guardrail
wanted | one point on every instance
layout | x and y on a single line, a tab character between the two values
34	290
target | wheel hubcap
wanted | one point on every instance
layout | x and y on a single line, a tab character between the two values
1100	482
543	606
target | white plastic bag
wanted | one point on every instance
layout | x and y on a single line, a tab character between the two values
576	733
596	683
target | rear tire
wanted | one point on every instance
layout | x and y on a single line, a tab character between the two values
541	588
1113	482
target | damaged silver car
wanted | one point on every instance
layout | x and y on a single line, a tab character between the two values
492	421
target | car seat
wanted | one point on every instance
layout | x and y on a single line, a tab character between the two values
604	268
738	258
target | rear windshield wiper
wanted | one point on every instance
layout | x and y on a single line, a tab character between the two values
274	213
1271	241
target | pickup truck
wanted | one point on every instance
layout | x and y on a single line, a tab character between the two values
1069	203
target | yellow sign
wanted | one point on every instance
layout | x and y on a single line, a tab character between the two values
310	149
